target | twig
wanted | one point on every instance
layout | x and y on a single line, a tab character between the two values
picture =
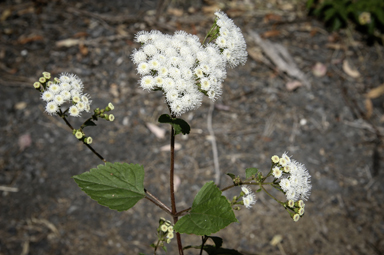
9	189
157	202
214	145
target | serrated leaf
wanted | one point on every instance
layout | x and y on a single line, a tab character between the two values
250	171
210	212
179	125
118	186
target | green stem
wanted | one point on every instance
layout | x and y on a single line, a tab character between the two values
261	186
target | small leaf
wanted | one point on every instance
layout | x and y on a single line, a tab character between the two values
217	240
250	171
231	175
118	186
179	125
89	123
164	248
210	212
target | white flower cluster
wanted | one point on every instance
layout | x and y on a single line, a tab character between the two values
179	66
249	196
230	40
68	88
166	230
295	180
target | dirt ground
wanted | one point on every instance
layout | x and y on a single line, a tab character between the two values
325	126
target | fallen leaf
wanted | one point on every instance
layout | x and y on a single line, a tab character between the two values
24	141
271	17
348	70
256	54
83	49
292	85
368	108
270	33
20	105
114	90
6	13
67	42
157	131
175	12
319	69
24	40
376	92
168	147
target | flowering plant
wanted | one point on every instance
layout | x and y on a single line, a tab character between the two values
184	71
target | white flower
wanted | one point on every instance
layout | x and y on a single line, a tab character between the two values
246	190
74	111
54	89
147	82
58	99
47	96
276	172
80	106
66	95
249	200
138	57
143	68
51	108
234	50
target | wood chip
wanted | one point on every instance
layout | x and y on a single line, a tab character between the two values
376	92
348	70
157	131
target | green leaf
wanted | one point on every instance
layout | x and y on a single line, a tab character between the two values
250	171
179	125
118	186
210	212
217	240
89	123
164	248
231	175
212	250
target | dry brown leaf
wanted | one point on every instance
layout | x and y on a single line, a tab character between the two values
376	92
270	33
256	54
20	105
157	131
83	49
114	90
319	69
6	13
292	85
24	40
368	108
67	42
175	12
271	17
348	70
24	141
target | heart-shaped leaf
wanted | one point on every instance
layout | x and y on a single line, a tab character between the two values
210	212
118	186
179	125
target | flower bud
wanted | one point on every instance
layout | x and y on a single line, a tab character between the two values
57	80
290	203
110	107
88	140
79	134
47	75
296	217
111	117
42	80
275	159
37	85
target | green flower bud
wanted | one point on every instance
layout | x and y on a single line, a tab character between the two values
42	80
290	203
88	140
37	85
79	134
110	107
301	211
47	75
111	117
57	80
296	217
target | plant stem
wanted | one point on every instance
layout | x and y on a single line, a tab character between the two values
89	146
157	202
261	186
172	189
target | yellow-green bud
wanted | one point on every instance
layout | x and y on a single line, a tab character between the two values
111	117
36	85
290	203
110	107
300	203
42	80
164	228
301	211
57	80
47	75
49	83
275	159
88	140
296	217
79	134
170	235
170	229
168	240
